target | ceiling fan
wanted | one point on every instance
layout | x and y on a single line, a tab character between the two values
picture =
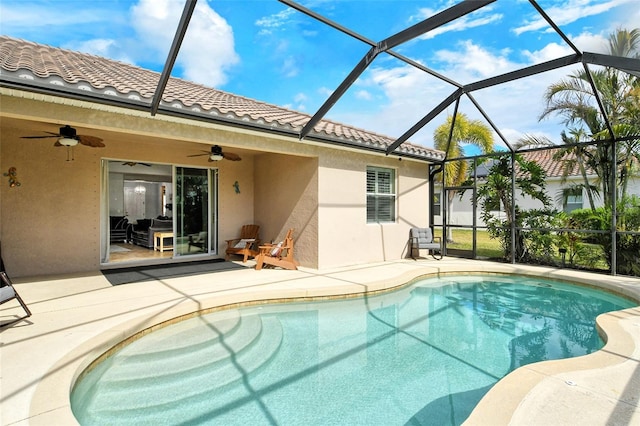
134	163
216	154
68	137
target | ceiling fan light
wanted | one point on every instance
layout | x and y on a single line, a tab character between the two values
215	157
68	141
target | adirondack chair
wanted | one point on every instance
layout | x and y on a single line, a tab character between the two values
245	245
7	293
280	254
422	238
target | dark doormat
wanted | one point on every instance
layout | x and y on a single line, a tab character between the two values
138	274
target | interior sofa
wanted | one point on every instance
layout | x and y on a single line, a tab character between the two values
119	229
142	233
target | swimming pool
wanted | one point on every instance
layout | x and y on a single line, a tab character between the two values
424	354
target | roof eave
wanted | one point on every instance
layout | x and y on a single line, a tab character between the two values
131	102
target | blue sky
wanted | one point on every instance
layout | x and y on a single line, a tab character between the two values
264	50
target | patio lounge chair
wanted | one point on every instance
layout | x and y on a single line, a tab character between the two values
280	254
7	293
422	238
246	244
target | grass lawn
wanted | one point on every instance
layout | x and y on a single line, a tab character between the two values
485	246
488	247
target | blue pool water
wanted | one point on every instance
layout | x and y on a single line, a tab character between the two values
425	354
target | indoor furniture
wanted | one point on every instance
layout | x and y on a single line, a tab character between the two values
158	241
199	241
143	230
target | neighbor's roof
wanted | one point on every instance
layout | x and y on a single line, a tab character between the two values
553	167
42	68
564	166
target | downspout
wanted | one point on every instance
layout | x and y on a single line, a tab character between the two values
434	169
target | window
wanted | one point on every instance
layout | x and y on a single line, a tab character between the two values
437	207
381	195
572	199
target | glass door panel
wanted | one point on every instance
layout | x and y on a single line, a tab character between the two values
192	205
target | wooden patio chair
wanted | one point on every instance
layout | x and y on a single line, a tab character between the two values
7	293
280	254
245	245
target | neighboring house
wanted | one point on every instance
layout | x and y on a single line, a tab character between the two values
348	202
563	192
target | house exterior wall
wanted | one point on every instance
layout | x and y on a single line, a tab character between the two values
462	213
346	236
51	224
287	197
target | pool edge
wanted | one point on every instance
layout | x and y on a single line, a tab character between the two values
51	403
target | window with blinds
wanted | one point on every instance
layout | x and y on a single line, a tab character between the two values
381	195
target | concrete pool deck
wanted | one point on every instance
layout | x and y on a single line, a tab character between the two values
77	318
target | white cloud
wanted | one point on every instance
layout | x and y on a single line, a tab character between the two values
587	42
569	11
547	53
470	62
290	67
207	51
272	22
325	91
364	94
479	18
514	107
300	99
106	48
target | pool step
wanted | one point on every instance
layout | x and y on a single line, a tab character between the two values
183	336
169	389
172	362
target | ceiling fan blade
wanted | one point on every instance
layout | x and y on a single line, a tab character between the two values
199	155
92	141
231	156
134	163
53	135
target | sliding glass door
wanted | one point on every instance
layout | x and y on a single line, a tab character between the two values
196	213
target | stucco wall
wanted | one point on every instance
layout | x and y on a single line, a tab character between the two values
346	237
51	224
287	197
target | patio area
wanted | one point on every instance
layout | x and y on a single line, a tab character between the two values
76	318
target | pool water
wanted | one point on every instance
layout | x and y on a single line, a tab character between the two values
425	354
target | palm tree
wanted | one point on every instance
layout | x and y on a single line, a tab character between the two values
577	156
573	98
625	43
465	132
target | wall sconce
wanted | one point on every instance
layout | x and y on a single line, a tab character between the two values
13	180
236	186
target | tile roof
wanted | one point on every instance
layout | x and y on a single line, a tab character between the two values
95	78
555	167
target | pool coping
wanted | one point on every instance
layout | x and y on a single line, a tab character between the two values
516	399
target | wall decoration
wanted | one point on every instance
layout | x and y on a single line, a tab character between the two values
236	186
13	179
